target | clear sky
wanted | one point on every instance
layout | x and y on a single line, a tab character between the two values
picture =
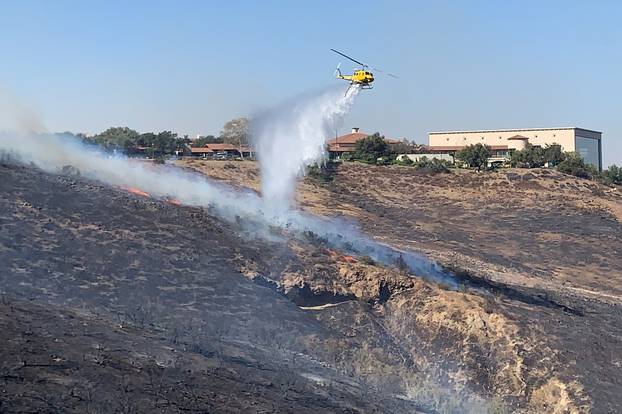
189	66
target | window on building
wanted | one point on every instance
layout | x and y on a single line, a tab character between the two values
588	149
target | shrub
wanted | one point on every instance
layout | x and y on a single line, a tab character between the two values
404	161
612	175
346	156
314	238
536	157
574	165
366	260
324	172
386	160
433	165
475	156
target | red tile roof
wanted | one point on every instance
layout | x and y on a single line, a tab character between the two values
208	148
201	150
346	143
518	137
352	138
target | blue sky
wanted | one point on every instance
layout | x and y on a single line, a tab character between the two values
189	66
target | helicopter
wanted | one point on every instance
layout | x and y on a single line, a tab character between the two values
362	77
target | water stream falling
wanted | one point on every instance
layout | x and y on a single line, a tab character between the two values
294	135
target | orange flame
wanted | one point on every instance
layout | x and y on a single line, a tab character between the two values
136	191
348	259
341	258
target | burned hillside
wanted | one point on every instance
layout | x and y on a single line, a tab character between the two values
542	245
138	288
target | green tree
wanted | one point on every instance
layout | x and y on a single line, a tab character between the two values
553	154
236	132
166	142
613	175
433	165
117	138
162	143
573	164
475	156
371	148
529	157
404	147
203	141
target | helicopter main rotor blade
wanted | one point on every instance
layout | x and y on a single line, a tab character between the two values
385	73
348	57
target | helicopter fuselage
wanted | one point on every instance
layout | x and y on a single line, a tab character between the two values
360	77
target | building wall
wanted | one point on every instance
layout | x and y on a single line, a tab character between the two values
585	142
541	137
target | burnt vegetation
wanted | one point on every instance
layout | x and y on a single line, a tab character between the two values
115	302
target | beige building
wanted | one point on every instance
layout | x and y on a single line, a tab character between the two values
503	141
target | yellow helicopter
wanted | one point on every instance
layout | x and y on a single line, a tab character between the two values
363	76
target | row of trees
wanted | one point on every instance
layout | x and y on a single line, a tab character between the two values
535	157
129	141
476	156
375	150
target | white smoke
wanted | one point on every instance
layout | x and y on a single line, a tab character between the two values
294	135
52	152
285	158
14	115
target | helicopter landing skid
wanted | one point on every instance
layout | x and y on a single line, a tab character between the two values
361	86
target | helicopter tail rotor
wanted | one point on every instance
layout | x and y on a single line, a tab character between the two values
337	70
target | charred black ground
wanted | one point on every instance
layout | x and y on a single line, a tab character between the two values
113	302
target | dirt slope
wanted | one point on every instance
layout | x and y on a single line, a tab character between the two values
543	247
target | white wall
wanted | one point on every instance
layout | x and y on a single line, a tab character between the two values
541	137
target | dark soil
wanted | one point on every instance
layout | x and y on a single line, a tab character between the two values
116	303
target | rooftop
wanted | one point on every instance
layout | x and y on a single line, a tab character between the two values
512	130
352	138
219	147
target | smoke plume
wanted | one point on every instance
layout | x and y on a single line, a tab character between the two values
287	141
